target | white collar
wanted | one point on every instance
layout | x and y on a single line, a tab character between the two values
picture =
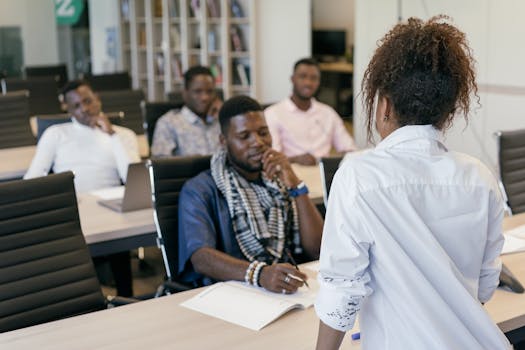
410	133
194	118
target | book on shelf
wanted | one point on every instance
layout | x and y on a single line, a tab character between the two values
176	67
249	306
159	63
236	9
212	40
142	36
175	38
236	38
174	8
195	8
124	9
157	9
243	74
216	71
214	8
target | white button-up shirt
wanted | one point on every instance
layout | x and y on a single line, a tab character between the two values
412	239
98	159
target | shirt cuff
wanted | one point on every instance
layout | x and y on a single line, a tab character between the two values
339	301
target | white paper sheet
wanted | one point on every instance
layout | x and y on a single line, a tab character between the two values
513	244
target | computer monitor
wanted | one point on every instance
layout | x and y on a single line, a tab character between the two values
328	43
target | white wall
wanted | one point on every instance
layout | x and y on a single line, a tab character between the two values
494	30
283	37
104	15
37	21
335	14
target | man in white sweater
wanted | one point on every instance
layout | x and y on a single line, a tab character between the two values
94	149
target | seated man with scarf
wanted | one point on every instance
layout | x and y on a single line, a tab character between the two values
249	217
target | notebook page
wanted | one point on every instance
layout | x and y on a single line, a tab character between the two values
245	305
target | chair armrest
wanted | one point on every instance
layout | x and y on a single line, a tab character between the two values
170	287
175	286
113	301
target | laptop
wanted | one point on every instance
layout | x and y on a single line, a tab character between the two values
137	191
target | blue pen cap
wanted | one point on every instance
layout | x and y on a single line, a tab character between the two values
356	336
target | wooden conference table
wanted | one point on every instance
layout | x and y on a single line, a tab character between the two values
164	324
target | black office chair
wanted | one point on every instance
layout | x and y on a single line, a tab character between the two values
59	70
127	101
46	272
167	176
109	82
151	112
46	120
43	93
176	96
511	159
14	120
328	167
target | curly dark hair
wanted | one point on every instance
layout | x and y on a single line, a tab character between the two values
427	71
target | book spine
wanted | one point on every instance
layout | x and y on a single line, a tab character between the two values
243	77
195	7
236	9
236	38
177	68
213	8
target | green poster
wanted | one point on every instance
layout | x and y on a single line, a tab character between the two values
67	12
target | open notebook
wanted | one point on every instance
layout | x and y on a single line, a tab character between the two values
137	191
249	306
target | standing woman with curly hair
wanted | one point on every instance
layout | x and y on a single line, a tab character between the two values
412	234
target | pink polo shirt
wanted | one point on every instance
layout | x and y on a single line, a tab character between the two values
315	131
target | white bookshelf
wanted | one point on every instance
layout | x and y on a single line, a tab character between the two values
161	39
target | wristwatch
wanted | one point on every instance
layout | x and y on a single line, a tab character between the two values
298	190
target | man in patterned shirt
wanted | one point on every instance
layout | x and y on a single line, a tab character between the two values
192	130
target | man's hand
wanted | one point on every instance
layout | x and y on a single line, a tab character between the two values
281	278
277	166
104	124
304	159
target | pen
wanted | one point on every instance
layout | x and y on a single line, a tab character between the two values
356	336
292	260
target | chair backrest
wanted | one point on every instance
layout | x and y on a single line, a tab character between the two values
109	82
59	70
44	121
176	96
127	101
511	159
43	93
14	120
328	167
151	112
167	176
46	271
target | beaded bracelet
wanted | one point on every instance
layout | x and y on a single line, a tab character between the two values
256	273
249	272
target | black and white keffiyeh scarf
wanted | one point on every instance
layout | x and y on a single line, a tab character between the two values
264	218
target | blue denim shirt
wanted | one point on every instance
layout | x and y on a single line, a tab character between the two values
204	221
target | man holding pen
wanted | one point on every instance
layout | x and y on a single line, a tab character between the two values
249	217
